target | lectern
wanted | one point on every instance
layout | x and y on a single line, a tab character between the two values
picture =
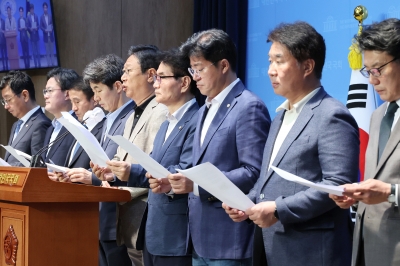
12	48
43	222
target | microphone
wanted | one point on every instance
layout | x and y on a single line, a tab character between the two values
36	160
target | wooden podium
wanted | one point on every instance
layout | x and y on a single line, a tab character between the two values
43	222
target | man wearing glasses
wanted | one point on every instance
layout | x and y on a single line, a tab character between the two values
18	98
377	231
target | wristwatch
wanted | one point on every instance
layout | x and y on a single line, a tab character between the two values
392	196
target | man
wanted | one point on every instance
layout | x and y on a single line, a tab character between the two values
377	234
32	25
23	36
231	132
104	77
313	136
46	25
163	231
3	45
10	21
141	129
59	81
18	98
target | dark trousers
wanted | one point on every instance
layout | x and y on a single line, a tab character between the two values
110	254
25	52
259	255
153	260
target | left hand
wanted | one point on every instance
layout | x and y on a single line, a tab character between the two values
262	214
120	169
180	183
102	173
371	191
80	175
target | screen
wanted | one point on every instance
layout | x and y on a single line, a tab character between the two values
27	35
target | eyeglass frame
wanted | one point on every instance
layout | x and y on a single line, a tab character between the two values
49	91
163	77
5	102
367	73
197	71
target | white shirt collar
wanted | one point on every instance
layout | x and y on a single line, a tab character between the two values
177	115
222	95
29	114
300	104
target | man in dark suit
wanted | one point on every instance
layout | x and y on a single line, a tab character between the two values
59	81
313	136
104	77
46	25
18	97
163	231
231	131
3	45
23	36
33	26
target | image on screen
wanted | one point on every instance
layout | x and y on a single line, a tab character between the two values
27	35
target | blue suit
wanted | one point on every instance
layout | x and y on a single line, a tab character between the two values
164	226
30	138
234	144
322	147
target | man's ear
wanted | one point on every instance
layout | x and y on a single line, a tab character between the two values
25	95
225	65
308	66
150	73
117	86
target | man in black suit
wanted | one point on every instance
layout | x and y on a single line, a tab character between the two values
18	98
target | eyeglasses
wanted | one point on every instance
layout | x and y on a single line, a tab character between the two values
127	71
7	101
195	72
157	78
376	72
49	91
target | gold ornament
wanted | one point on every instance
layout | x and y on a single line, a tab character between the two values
360	13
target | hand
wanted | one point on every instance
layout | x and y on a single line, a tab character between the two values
262	214
343	202
120	169
180	183
159	185
235	214
371	191
80	175
61	177
106	184
102	173
52	176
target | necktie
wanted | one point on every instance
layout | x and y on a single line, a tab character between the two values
17	128
75	150
386	127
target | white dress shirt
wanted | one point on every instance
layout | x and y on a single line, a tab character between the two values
27	116
111	118
174	118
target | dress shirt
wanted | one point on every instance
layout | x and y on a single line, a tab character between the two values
174	118
57	128
213	106
111	118
289	119
27	116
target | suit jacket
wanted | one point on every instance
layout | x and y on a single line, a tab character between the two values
59	150
23	36
10	25
165	220
34	33
323	147
81	158
234	143
30	138
130	214
43	27
380	222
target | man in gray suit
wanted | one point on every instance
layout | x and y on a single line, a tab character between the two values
18	98
313	136
377	231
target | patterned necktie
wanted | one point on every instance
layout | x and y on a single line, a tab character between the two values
17	128
386	127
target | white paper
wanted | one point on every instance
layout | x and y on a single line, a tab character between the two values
22	23
56	168
4	163
23	154
15	154
215	182
336	190
148	163
86	139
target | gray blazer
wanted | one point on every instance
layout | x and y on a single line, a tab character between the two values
322	146
380	222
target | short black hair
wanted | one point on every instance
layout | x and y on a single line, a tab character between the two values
19	9
80	85
18	81
381	36
65	77
45	4
105	69
302	41
214	45
148	56
179	64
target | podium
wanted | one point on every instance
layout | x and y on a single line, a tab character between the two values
43	222
12	48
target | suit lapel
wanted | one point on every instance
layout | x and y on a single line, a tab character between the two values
197	135
143	119
55	146
26	127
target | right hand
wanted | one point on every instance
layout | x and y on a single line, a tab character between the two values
235	214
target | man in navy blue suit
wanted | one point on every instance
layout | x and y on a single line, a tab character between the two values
18	98
232	128
104	77
163	230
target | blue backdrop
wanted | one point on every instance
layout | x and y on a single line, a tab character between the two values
333	19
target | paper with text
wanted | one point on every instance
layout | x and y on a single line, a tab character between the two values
21	159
